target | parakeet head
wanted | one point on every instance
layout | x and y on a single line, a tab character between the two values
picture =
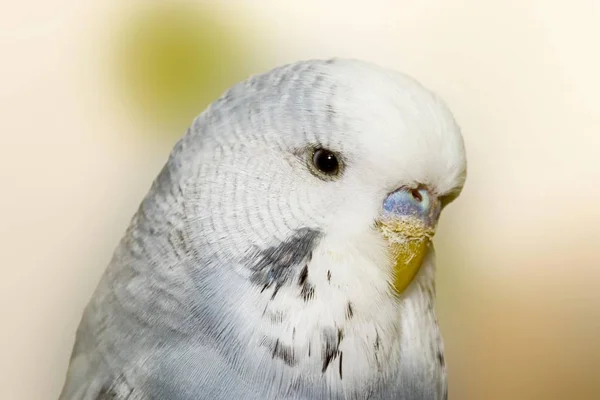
338	166
289	231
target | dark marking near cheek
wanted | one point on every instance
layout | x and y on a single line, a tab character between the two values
275	291
340	367
331	349
307	292
349	311
303	275
327	357
281	351
277	265
286	353
329	276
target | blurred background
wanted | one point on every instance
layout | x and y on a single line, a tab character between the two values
93	95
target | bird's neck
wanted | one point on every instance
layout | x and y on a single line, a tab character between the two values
340	322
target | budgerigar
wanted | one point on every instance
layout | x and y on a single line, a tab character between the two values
284	250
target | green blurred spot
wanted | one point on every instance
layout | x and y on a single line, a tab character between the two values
174	59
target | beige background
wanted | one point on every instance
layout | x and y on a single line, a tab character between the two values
519	265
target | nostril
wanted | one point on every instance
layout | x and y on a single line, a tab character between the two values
416	195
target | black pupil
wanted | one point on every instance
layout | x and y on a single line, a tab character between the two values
326	161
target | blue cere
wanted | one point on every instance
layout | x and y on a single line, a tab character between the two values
409	202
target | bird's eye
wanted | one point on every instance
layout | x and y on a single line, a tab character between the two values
326	162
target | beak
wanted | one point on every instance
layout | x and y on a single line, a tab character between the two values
408	222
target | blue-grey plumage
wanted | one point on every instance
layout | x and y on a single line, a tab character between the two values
255	269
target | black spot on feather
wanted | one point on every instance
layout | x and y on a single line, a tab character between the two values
303	275
277	287
307	292
281	351
331	349
441	359
349	311
277	265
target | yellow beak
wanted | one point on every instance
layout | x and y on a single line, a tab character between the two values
408	241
